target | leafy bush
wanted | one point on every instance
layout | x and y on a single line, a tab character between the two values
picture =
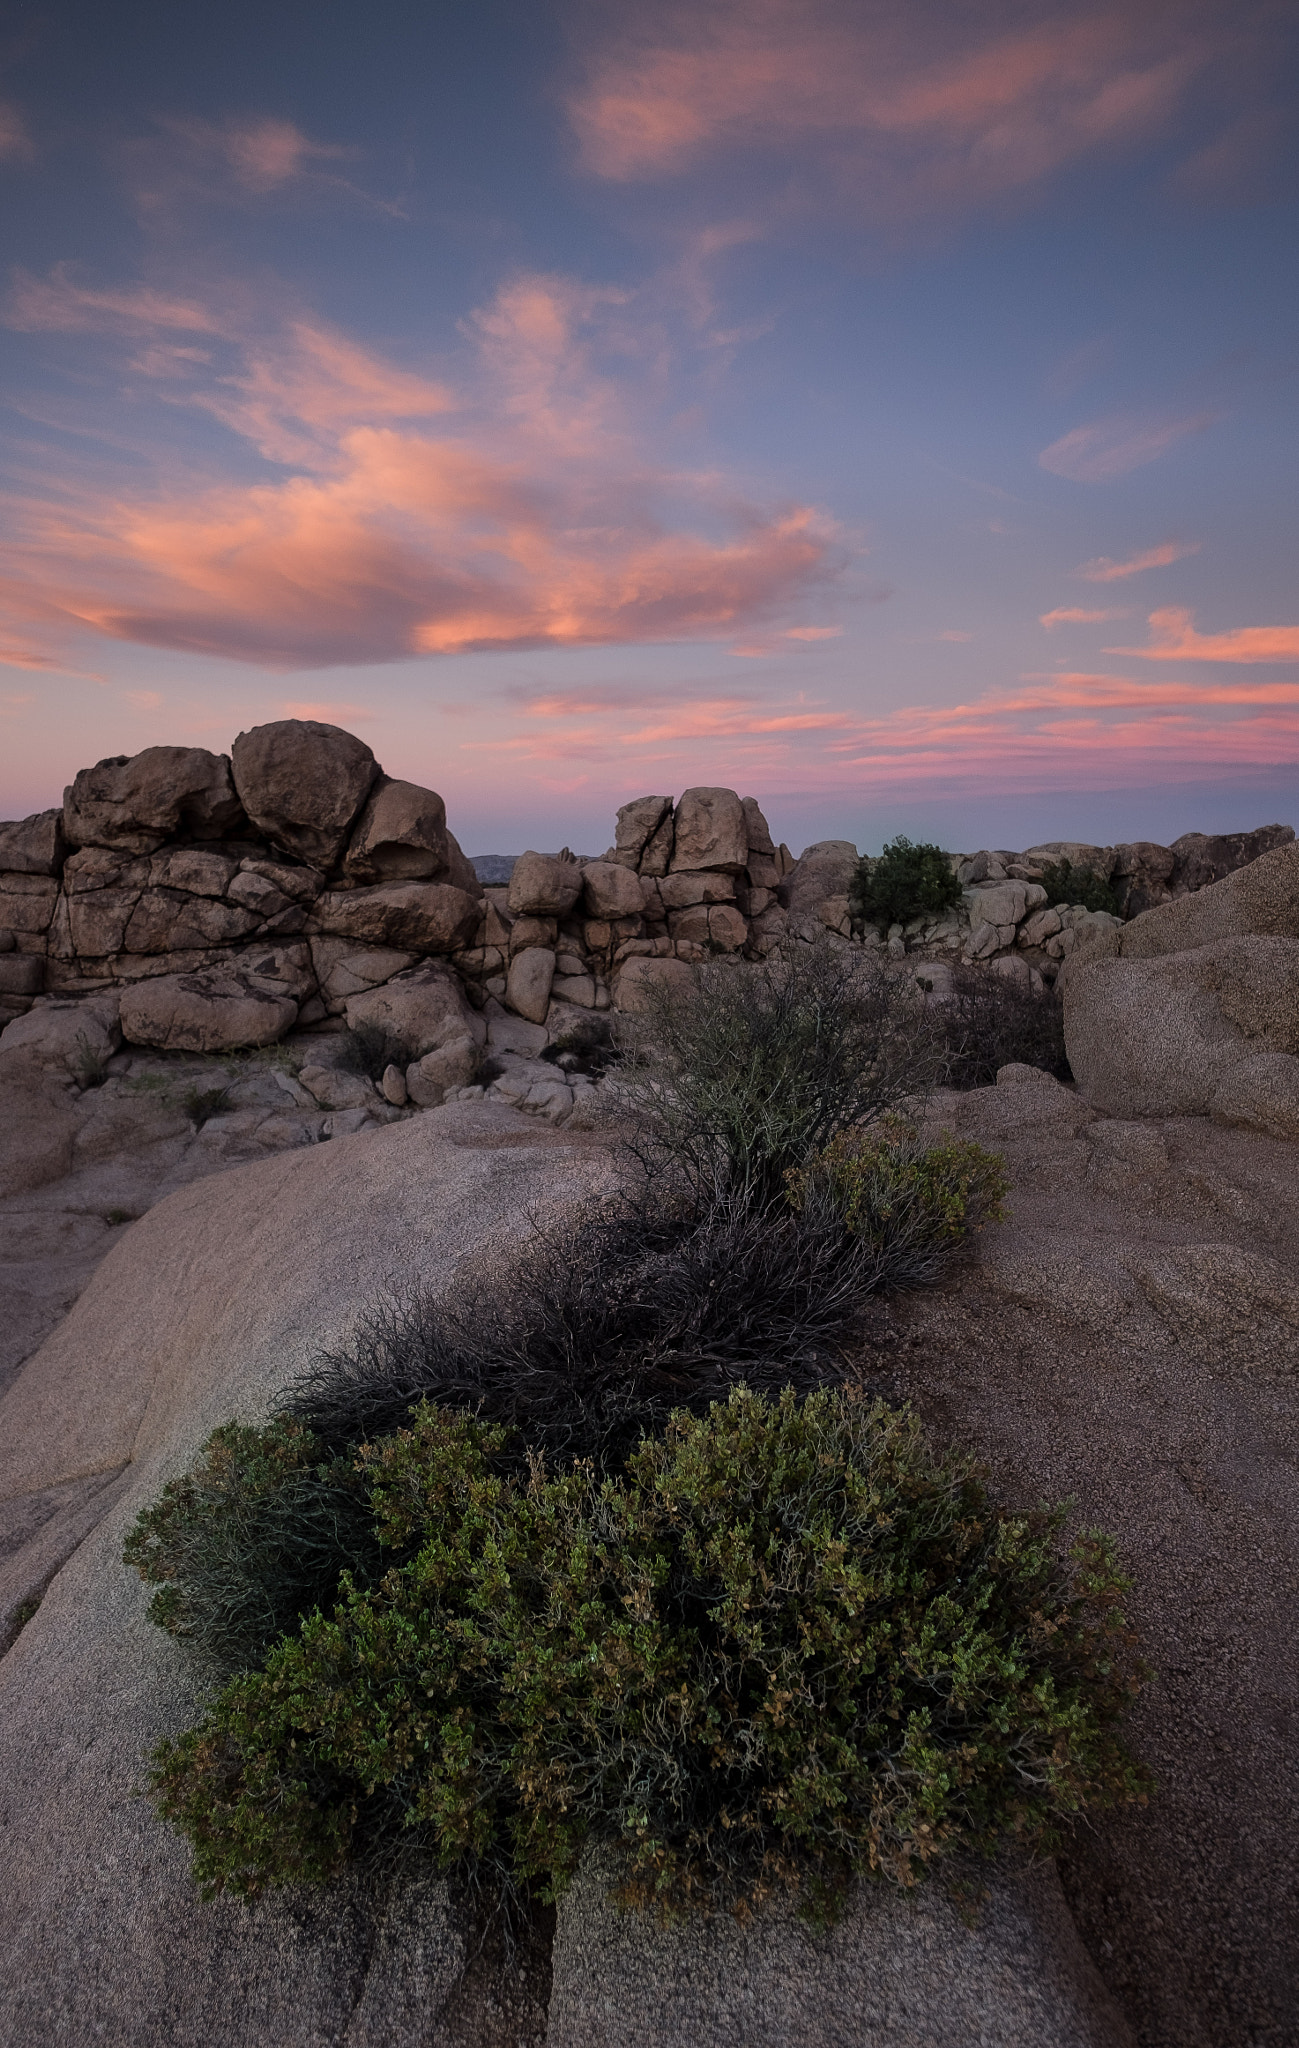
256	1536
1064	883
990	1021
369	1049
906	882
786	1646
756	1066
915	1204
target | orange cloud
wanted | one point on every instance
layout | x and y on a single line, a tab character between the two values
535	517
1071	616
907	106
1105	570
1173	638
1107	449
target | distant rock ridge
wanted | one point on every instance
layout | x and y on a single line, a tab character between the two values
194	901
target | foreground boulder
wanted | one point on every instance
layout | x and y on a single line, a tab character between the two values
1160	1013
205	1309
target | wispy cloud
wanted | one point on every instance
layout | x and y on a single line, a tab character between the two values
1105	570
59	304
15	140
902	107
538	515
1073	616
1173	638
189	162
1110	448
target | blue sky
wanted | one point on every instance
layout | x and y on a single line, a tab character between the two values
888	410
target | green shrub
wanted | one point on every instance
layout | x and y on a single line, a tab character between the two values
256	1536
989	1021
756	1066
785	1647
913	1202
1064	883
906	882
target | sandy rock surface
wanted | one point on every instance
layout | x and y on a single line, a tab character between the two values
895	1973
1129	1338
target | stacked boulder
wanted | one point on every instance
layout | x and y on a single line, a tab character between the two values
679	882
208	901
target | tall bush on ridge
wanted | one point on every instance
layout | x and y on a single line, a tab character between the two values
753	1068
905	883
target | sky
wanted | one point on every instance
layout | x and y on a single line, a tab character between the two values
886	409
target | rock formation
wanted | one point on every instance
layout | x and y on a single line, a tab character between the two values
186	901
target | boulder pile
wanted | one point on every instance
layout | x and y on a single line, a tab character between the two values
187	901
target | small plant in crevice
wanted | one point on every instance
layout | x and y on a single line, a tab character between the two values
784	1647
369	1049
201	1104
587	1047
989	1021
88	1064
905	883
115	1216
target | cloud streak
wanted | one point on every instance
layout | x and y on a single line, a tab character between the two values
1075	616
534	516
1111	448
1105	570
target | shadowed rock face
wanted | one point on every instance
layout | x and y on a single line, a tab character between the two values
400	836
136	802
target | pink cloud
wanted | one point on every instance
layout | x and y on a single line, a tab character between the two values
1107	449
536	516
1173	638
813	632
1044	731
1072	616
1104	570
905	107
